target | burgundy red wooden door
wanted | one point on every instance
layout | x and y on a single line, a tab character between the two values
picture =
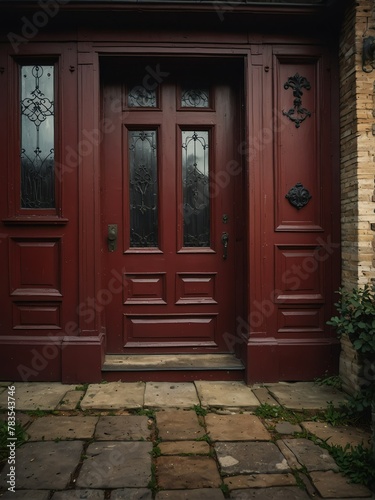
168	208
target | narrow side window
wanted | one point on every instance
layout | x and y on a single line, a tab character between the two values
37	110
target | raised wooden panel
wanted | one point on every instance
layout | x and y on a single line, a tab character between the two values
304	319
152	330
35	266
36	316
297	145
298	274
197	288
145	288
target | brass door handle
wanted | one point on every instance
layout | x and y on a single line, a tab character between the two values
224	241
112	237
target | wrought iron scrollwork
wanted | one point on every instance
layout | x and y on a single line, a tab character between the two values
37	143
297	114
195	165
298	196
195	98
143	188
140	97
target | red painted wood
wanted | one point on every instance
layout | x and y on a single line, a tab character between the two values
191	305
279	335
300	248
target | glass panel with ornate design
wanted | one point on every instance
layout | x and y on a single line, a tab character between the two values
143	188
195	98
37	136
140	97
196	189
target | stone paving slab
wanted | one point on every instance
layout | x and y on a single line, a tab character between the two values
21	418
71	400
226	394
264	397
250	458
79	495
312	456
202	494
340	435
114	395
288	454
332	485
56	427
131	494
305	395
25	495
170	395
114	464
238	427
123	428
287	428
284	493
187	473
45	465
184	448
178	425
36	395
259	481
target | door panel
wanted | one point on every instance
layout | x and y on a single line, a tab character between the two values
167	188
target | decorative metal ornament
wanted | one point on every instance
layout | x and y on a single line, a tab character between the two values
297	114
298	196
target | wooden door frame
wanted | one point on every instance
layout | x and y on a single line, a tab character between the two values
250	346
232	170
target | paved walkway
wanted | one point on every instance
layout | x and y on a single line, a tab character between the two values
191	441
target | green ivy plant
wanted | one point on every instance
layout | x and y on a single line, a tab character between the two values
356	318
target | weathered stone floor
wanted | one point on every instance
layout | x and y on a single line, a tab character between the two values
186	441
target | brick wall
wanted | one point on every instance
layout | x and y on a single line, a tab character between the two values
357	131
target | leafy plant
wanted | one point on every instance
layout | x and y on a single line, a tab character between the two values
355	462
334	416
145	412
334	381
277	412
200	411
356	318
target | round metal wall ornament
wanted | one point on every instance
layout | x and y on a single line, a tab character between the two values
298	196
